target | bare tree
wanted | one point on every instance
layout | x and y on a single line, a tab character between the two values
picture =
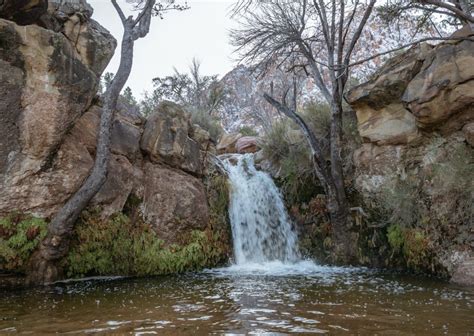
44	263
195	91
319	36
451	12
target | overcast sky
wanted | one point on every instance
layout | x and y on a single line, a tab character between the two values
201	32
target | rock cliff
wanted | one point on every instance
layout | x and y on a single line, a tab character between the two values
51	59
415	117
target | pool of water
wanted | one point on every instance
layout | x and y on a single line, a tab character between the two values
271	299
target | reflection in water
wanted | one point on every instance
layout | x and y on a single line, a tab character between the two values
236	301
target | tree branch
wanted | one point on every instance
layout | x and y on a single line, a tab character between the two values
444	4
119	11
322	170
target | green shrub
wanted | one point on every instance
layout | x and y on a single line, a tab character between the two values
121	247
218	192
412	245
417	250
395	237
207	122
247	131
19	237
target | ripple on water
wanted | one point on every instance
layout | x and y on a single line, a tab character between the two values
301	298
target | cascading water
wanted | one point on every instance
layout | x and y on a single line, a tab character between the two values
261	228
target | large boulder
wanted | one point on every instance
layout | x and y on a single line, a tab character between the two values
227	143
173	203
203	138
167	139
123	178
444	87
93	43
247	144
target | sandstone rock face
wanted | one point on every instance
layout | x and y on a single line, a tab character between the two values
167	139
227	143
173	202
52	96
426	88
45	88
202	137
27	189
415	118
444	86
392	125
247	144
49	120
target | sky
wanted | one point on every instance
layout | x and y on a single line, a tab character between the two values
201	31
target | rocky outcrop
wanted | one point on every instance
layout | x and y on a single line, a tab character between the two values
167	139
49	119
425	89
46	86
93	43
417	161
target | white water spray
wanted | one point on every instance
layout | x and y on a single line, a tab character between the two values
261	228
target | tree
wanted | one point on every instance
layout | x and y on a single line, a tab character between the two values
44	262
128	96
318	36
193	90
201	95
107	79
452	12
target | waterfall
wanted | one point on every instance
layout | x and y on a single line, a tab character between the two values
261	229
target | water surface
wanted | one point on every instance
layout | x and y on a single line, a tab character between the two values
273	299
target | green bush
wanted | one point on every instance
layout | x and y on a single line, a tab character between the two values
19	237
247	131
395	237
413	245
121	247
207	122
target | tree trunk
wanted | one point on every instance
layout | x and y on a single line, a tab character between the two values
43	266
339	209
